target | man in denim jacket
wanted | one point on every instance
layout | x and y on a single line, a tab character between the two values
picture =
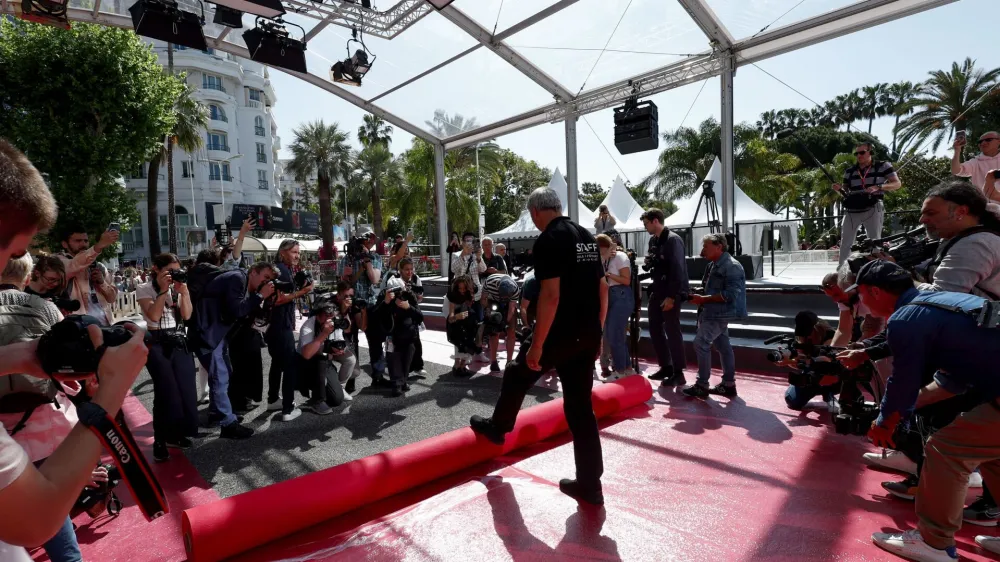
725	299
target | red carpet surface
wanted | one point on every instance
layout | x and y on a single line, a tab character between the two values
716	480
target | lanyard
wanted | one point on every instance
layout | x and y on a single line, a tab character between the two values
864	177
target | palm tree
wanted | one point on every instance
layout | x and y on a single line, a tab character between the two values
948	101
874	102
320	149
192	119
768	124
373	130
444	125
897	96
378	170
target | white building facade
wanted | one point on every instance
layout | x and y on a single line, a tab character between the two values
237	162
296	190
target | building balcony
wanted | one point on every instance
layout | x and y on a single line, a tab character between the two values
259	131
220	177
217	146
254	104
262	184
213	86
219	117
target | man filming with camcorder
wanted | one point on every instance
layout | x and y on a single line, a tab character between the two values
953	335
51	490
323	340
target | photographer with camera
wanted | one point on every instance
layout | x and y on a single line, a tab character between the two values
400	249
399	316
87	280
323	339
724	300
413	283
462	326
230	256
500	295
941	333
165	304
810	332
470	262
362	268
280	335
494	262
667	267
621	303
864	186
50	491
981	170
225	299
604	221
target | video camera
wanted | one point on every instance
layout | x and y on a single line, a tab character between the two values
813	363
909	249
355	248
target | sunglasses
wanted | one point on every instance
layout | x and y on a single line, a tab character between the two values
981	141
860	152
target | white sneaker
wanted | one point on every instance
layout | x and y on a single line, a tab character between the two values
893	460
291	415
348	397
482	358
274	406
975	480
911	545
615	375
833	407
991	544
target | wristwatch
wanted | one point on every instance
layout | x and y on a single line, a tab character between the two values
93	416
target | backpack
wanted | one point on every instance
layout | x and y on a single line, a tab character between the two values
22	394
198	279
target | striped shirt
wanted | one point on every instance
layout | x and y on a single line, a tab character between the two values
491	286
857	179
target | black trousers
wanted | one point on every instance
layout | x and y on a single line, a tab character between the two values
399	362
573	361
284	363
175	399
376	350
665	333
246	382
418	356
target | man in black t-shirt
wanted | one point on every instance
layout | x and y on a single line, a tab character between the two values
567	336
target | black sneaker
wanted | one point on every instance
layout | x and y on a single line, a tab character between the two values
723	390
462	373
494	367
216	419
663	373
236	431
182	443
484	426
350	387
606	373
906	490
695	391
982	512
406	387
160	452
676	379
397	391
573	489
380	382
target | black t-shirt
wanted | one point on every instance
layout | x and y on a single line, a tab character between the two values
283	316
494	261
568	252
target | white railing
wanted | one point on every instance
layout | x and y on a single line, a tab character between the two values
125	307
255	104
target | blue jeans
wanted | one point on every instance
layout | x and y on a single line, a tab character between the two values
717	332
217	365
796	397
63	546
621	302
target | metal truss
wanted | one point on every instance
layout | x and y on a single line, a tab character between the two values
387	24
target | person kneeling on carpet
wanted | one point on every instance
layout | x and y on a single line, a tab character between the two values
323	340
400	318
462	324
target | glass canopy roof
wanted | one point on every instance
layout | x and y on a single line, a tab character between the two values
511	64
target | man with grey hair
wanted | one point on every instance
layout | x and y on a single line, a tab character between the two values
567	336
981	169
725	299
494	262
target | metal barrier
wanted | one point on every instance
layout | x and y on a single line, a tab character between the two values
125	306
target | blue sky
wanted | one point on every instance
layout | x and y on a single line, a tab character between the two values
483	87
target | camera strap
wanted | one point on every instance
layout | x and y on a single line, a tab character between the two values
986	317
117	440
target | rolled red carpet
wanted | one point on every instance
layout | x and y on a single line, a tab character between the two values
236	524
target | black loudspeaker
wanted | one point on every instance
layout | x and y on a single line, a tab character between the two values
637	127
276	50
162	20
228	17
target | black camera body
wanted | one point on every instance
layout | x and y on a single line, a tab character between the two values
355	248
179	275
283	286
814	362
855	418
66	348
494	320
303	278
909	249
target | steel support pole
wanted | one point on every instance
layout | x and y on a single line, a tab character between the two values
572	184
728	181
442	211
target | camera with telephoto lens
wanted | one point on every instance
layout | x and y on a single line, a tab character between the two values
179	275
355	248
337	340
910	249
283	286
303	278
66	349
855	417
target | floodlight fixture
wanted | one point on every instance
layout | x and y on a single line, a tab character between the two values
46	12
351	70
440	4
269	43
263	8
228	17
163	20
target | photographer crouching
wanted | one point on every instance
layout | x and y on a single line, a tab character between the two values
323	340
165	304
936	332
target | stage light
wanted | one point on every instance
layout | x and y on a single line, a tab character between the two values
352	69
440	4
161	19
46	12
264	8
228	17
269	43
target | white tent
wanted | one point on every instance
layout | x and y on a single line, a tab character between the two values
753	220
623	207
523	227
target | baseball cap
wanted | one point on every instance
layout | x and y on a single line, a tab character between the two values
805	322
879	273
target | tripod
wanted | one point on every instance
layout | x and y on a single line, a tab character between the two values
711	208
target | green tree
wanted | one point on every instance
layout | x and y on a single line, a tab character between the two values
191	118
379	171
287	202
591	194
898	98
374	130
444	125
320	149
874	103
918	175
825	143
950	100
508	188
643	197
99	104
